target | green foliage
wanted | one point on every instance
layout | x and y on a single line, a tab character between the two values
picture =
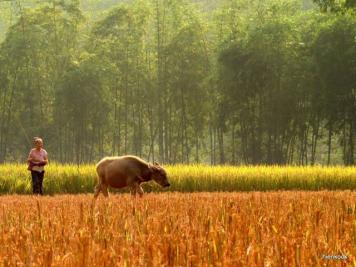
272	73
336	6
235	81
334	51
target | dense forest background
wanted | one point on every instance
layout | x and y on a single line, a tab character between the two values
178	81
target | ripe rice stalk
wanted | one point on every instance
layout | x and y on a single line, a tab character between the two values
175	229
71	179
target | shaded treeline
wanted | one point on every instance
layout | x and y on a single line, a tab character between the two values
253	82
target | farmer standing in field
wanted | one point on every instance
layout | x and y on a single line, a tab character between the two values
37	159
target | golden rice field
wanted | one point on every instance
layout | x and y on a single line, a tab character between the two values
180	229
69	179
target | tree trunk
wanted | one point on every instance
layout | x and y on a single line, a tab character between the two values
159	83
329	142
315	137
212	156
126	103
114	129
6	128
344	142
196	147
233	156
351	143
221	145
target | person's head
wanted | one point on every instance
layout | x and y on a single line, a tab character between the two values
38	142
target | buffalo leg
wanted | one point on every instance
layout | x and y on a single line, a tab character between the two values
133	190
97	190
104	189
136	189
139	190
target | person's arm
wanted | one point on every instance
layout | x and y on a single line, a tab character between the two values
30	158
45	160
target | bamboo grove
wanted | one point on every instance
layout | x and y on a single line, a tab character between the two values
238	82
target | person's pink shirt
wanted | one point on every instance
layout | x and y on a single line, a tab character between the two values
38	155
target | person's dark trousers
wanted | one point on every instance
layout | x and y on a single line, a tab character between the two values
37	182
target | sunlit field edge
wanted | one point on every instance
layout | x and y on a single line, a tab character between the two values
72	179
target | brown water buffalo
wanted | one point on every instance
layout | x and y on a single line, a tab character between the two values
119	172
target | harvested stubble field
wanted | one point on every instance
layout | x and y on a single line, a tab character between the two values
179	229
